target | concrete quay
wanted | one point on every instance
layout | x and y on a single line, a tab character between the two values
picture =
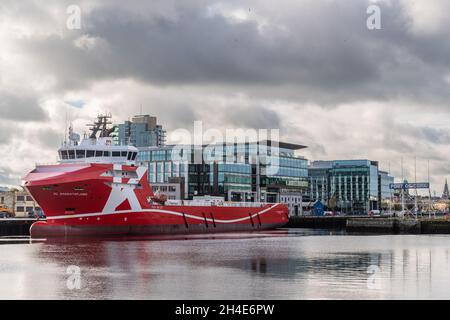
15	226
382	225
359	224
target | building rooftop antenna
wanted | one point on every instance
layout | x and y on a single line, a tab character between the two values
65	128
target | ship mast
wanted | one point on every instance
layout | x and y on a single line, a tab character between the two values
101	126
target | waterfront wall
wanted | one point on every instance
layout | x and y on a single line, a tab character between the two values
21	227
374	224
386	225
15	227
314	222
435	226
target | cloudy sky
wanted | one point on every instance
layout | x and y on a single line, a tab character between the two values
311	68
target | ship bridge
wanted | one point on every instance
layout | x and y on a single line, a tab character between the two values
97	148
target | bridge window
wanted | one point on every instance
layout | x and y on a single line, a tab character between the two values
124	153
106	154
98	153
81	154
116	153
71	154
133	157
90	153
129	155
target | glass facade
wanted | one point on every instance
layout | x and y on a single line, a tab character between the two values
240	171
350	186
384	181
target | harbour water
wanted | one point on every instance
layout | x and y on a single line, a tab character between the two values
281	264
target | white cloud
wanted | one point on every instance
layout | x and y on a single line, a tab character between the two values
427	17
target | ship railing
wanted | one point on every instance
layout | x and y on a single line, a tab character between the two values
215	203
46	163
245	204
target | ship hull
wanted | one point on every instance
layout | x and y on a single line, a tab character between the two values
43	229
86	200
154	223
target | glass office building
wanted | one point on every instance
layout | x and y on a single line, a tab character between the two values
384	180
349	186
259	171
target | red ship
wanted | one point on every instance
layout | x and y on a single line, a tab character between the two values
98	189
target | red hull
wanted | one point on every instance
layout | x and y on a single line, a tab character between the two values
140	223
91	200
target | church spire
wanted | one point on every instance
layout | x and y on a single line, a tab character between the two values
446	194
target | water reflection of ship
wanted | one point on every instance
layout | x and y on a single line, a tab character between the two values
259	265
157	268
109	265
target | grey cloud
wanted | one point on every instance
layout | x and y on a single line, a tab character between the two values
327	54
255	117
5	135
316	150
176	116
8	176
434	135
20	106
48	138
425	134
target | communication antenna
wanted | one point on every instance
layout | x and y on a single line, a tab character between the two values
429	192
403	191
65	127
390	190
415	182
